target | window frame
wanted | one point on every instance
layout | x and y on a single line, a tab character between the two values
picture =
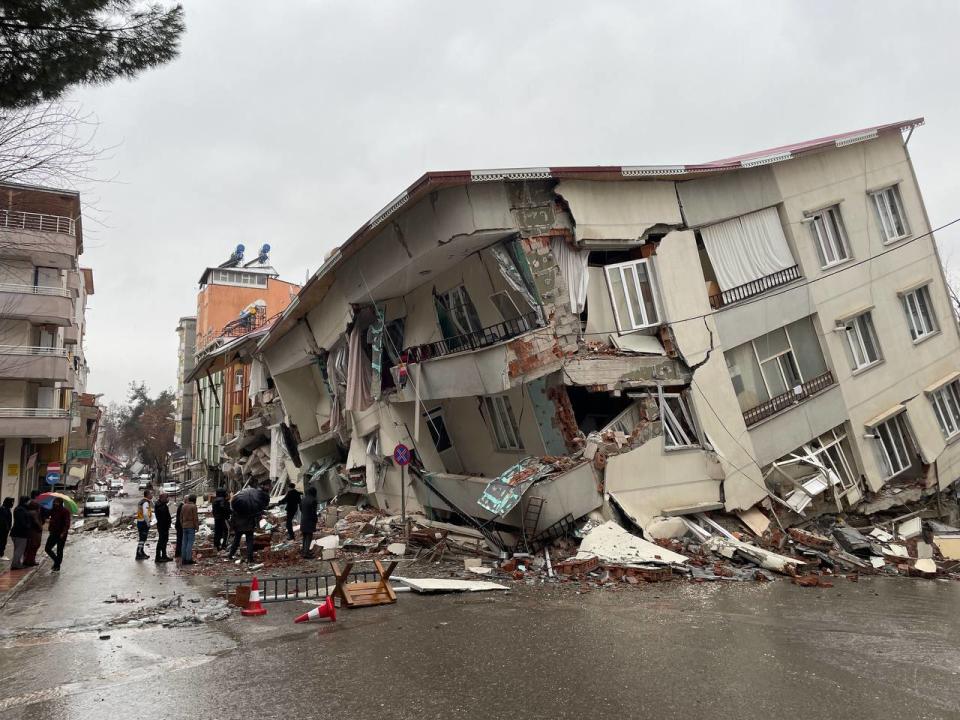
502	423
855	341
940	399
889	199
460	293
824	232
920	296
673	430
431	418
621	269
776	357
902	433
504	294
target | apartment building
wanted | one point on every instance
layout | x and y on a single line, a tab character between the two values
43	295
235	298
654	341
186	351
82	442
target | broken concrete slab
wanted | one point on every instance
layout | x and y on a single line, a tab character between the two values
755	520
910	528
611	543
439	585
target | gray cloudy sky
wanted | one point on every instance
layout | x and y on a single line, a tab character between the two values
294	126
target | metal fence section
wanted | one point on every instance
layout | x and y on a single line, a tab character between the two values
788	399
300	587
754	287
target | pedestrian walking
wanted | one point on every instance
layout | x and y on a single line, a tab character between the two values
161	511
178	529
20	531
35	537
144	515
6	522
221	516
308	520
248	505
57	528
291	501
190	520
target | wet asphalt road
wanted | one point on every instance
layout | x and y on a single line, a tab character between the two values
880	648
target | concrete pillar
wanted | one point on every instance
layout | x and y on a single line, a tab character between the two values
10	483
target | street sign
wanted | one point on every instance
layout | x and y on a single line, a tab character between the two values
401	454
53	478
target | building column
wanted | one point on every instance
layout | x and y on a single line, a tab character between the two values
10	484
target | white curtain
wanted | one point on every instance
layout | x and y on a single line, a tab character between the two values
747	248
573	267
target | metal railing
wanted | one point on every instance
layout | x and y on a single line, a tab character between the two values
233	329
788	399
482	338
19	220
56	413
34	290
300	587
754	287
34	350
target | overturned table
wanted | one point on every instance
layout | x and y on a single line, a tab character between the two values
363	594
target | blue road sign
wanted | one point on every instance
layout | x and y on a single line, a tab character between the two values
53	478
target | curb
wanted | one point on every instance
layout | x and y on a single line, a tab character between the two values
16	589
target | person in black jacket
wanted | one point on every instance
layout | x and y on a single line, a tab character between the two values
292	503
178	526
221	514
308	520
161	511
23	525
248	505
6	522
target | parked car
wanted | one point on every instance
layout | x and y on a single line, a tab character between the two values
116	484
96	505
142	484
170	488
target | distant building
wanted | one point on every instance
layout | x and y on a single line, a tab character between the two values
186	351
81	449
43	296
234	300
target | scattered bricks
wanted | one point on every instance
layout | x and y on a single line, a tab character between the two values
811	539
646	573
574	567
599	461
812	581
509	566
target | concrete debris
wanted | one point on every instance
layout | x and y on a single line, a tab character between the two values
437	585
611	543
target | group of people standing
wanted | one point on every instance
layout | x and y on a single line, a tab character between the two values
241	513
23	525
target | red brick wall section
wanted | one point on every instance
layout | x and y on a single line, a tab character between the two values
563	417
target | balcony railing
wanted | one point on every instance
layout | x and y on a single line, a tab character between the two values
788	399
234	328
754	287
18	220
33	350
474	340
34	290
34	413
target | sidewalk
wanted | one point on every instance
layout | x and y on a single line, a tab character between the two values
13	581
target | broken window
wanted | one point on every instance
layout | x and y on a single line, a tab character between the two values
505	306
829	455
502	423
600	410
457	315
894	443
893	221
862	341
633	295
916	304
946	406
438	429
830	236
679	426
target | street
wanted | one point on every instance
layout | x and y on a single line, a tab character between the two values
75	645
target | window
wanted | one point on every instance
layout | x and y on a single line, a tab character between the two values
893	221
830	451
893	437
862	340
503	425
679	427
633	296
946	405
831	238
238	379
505	306
438	429
237	425
777	362
916	304
460	311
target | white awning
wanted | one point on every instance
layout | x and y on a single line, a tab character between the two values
747	248
948	378
885	415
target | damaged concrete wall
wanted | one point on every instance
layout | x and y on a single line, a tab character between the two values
684	296
621	210
714	198
301	399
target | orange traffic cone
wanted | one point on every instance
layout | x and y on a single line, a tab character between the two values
254	607
327	610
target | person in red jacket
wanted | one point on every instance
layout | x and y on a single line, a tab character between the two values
58	527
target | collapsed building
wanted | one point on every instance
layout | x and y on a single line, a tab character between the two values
649	342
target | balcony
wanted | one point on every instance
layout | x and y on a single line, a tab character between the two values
788	399
26	362
47	240
41	305
71	335
476	340
754	287
40	423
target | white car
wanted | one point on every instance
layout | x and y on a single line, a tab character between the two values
96	504
170	488
116	484
142	484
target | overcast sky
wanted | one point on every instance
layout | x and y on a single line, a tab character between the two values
294	126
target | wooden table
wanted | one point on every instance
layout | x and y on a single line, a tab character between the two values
364	594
